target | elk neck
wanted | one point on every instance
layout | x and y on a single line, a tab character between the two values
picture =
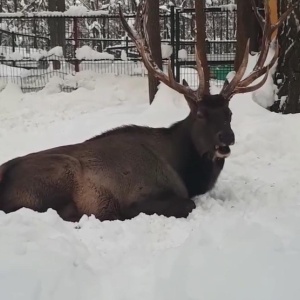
190	164
182	141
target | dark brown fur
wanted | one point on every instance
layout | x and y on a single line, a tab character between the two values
122	172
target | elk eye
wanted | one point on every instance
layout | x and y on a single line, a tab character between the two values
200	114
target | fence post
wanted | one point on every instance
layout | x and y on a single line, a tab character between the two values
13	37
172	21
76	43
177	20
126	45
35	33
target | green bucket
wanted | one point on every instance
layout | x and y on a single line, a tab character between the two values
220	72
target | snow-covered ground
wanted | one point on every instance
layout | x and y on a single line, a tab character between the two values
242	242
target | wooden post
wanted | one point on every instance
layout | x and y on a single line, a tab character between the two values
201	40
153	29
247	27
274	14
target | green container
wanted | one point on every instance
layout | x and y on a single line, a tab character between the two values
220	72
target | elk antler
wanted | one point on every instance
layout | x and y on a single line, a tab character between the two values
237	85
140	38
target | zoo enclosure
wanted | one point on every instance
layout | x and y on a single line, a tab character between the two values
29	54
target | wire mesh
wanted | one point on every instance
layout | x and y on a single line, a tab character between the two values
30	55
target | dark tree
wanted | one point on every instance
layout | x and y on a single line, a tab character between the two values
153	30
57	28
247	28
287	76
201	40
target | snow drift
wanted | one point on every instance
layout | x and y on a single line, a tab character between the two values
241	242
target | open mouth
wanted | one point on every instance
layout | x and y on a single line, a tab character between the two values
222	151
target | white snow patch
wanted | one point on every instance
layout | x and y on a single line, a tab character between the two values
39	54
228	7
86	52
166	51
15	56
182	54
76	10
265	96
8	71
241	242
56	51
124	55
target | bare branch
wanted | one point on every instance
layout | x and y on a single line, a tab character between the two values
258	16
284	16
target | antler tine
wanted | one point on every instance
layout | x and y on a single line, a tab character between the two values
237	85
228	88
141	40
254	75
258	16
282	18
268	30
246	89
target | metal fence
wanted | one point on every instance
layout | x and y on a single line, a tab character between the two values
98	43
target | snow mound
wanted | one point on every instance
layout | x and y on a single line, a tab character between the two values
241	242
86	52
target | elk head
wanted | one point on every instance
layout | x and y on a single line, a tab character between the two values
210	115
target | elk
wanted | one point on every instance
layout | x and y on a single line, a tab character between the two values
134	169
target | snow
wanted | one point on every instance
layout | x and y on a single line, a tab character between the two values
266	95
86	52
241	242
73	11
56	51
8	71
166	51
228	7
76	10
124	55
3	26
15	56
182	54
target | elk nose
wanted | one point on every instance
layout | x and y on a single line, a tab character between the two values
226	138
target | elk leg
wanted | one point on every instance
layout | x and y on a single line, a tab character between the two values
97	201
69	213
168	205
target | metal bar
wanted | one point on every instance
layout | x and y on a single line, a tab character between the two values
211	62
75	28
177	48
172	36
34	33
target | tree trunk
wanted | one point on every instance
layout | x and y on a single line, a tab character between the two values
201	40
287	76
153	30
57	28
247	28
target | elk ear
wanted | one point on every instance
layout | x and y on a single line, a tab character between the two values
191	102
184	82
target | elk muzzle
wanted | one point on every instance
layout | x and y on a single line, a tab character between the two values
225	138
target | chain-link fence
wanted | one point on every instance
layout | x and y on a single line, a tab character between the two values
39	46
